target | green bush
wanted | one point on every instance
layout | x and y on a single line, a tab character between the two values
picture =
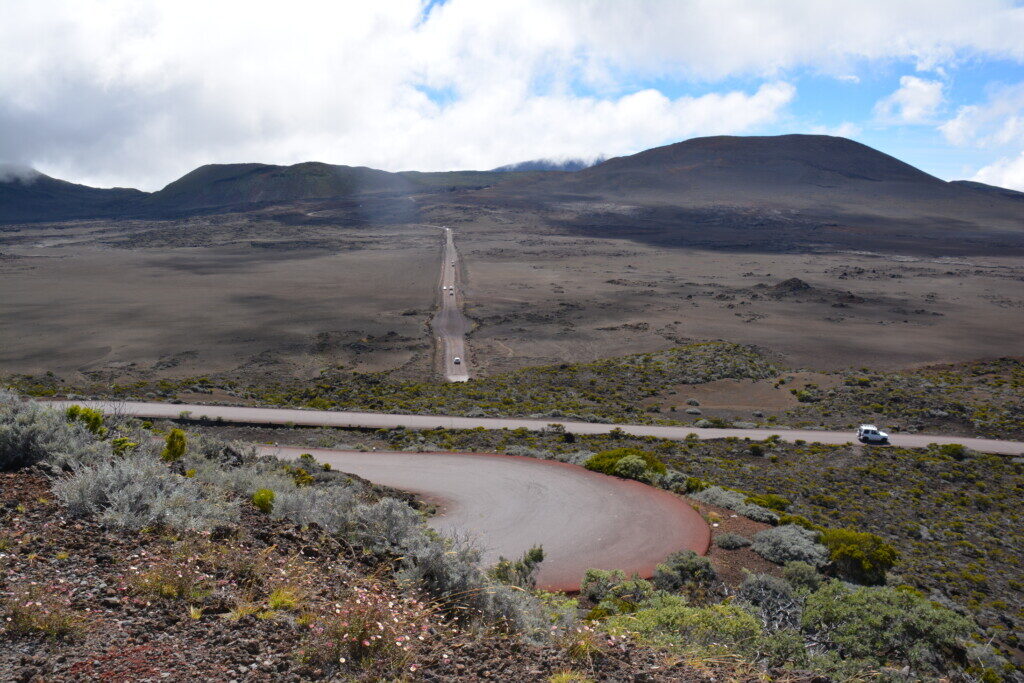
685	568
668	620
605	461
953	450
770	501
264	500
802	576
91	418
859	556
597	582
731	541
174	448
783	544
632	467
884	626
522	572
624	598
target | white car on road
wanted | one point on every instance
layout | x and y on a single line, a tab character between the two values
871	434
457	360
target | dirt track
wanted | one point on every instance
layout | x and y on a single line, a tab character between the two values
507	504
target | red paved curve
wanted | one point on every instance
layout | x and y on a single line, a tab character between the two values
508	504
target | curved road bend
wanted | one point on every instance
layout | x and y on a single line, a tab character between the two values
449	325
508	504
327	418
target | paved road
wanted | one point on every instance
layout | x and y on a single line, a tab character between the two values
508	504
326	418
449	325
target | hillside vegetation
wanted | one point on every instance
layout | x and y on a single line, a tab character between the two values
289	569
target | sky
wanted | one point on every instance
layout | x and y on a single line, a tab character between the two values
136	93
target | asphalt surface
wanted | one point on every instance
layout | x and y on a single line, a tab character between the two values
326	418
449	325
507	504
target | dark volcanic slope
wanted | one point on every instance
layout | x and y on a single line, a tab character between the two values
788	190
43	198
786	170
217	186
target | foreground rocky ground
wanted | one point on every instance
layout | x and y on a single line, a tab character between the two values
81	602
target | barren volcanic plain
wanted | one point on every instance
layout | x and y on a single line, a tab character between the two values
821	252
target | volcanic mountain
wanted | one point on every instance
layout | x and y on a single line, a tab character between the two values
220	186
735	191
787	191
38	197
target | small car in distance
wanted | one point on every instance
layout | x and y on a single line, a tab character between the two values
871	434
457	360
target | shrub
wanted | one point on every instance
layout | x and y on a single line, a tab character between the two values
790	542
800	521
884	625
670	621
34	611
685	568
632	467
522	572
773	600
802	576
731	541
624	598
264	500
329	507
369	630
138	491
716	495
284	598
387	528
859	556
570	677
953	450
736	501
770	501
597	582
449	570
583	645
31	433
757	513
605	461
178	578
175	446
90	418
243	477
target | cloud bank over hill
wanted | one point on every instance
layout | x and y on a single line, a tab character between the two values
137	93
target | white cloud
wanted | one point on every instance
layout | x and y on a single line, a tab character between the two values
10	172
915	102
997	122
136	93
1007	172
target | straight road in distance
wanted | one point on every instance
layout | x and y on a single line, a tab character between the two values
449	325
327	418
